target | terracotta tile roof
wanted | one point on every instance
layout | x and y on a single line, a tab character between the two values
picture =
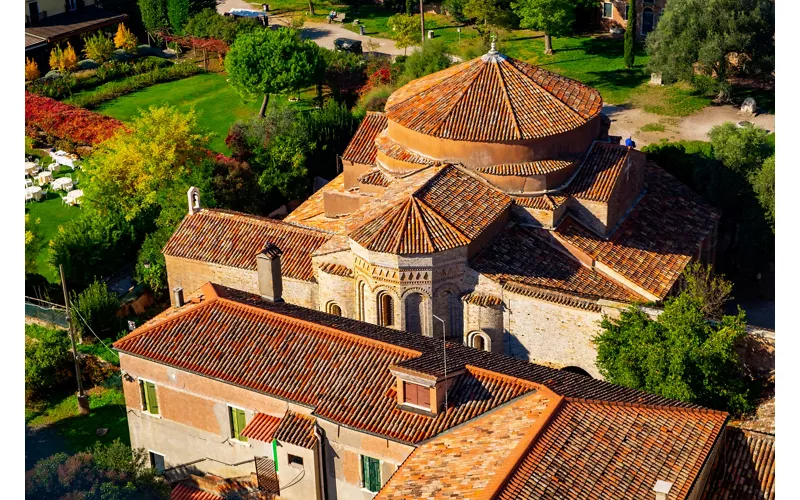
554	297
599	172
520	256
493	99
336	269
297	429
340	367
397	152
362	147
745	467
527	168
183	492
262	427
448	211
375	177
234	239
541	202
591	449
462	462
656	240
482	299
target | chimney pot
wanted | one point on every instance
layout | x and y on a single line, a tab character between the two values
270	283
193	196
177	296
661	489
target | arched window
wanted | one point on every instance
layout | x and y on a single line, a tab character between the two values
385	310
477	342
414	304
647	21
334	309
480	340
361	296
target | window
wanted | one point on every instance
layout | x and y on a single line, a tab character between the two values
157	461
608	10
385	310
334	309
371	473
477	343
295	460
147	391
647	21
238	423
361	295
627	9
416	395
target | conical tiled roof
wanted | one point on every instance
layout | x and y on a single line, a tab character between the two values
493	98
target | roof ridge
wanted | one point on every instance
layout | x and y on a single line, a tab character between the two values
549	95
257	218
433	83
648	406
417	213
506	100
440	217
455	104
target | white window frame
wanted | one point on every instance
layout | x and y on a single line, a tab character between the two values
362	483
152	466
604	10
143	402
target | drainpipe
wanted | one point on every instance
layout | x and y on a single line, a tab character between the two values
321	452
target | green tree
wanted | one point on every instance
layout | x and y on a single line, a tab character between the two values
273	62
742	149
98	47
178	14
95	310
430	59
698	35
404	30
711	291
283	166
764	186
154	14
33	244
680	355
553	17
47	362
489	15
630	35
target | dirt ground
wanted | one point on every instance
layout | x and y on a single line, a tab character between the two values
628	122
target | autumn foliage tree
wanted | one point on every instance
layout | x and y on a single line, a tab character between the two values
125	39
63	60
31	70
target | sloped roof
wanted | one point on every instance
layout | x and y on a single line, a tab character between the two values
493	98
520	256
656	240
362	146
745	467
539	167
340	367
375	177
262	427
541	202
625	449
234	239
183	492
297	429
448	211
599	173
397	152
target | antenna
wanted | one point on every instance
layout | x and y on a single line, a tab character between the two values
83	401
444	353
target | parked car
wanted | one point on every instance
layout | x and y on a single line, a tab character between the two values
348	45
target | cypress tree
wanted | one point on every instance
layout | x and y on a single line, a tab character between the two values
630	34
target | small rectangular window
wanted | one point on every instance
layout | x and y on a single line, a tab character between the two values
608	10
417	395
147	391
238	423
157	461
295	460
371	473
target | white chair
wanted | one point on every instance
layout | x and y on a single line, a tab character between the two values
52	167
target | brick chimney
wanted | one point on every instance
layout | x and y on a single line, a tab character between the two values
270	284
661	490
193	196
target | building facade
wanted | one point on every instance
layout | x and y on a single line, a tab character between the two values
487	206
614	14
319	406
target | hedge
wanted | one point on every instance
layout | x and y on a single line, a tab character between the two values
62	121
113	90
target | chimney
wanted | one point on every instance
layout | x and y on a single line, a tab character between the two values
193	196
661	489
177	296
270	285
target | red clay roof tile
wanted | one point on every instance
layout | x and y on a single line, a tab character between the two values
297	429
745	467
362	147
262	427
540	167
599	172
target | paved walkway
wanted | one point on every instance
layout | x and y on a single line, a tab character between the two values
628	123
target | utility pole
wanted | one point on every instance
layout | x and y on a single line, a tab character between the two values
83	399
422	20
444	354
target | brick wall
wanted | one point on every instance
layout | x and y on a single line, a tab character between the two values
618	12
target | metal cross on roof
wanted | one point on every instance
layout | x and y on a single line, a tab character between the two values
493	49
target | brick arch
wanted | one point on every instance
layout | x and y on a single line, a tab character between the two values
479	340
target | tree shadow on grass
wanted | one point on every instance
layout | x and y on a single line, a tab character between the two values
608	47
621	78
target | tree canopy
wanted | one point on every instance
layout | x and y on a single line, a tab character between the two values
404	30
680	355
553	17
699	35
273	62
489	15
154	14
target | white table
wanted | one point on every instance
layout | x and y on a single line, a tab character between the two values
63	158
44	177
30	168
62	183
28	182
33	193
73	197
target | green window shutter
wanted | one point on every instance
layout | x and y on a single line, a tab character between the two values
365	470
240	418
374	475
275	453
143	395
152	401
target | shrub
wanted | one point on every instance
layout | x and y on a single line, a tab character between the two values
178	14
374	100
430	59
125	39
209	24
56	119
95	310
48	362
31	70
98	47
742	149
63	60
